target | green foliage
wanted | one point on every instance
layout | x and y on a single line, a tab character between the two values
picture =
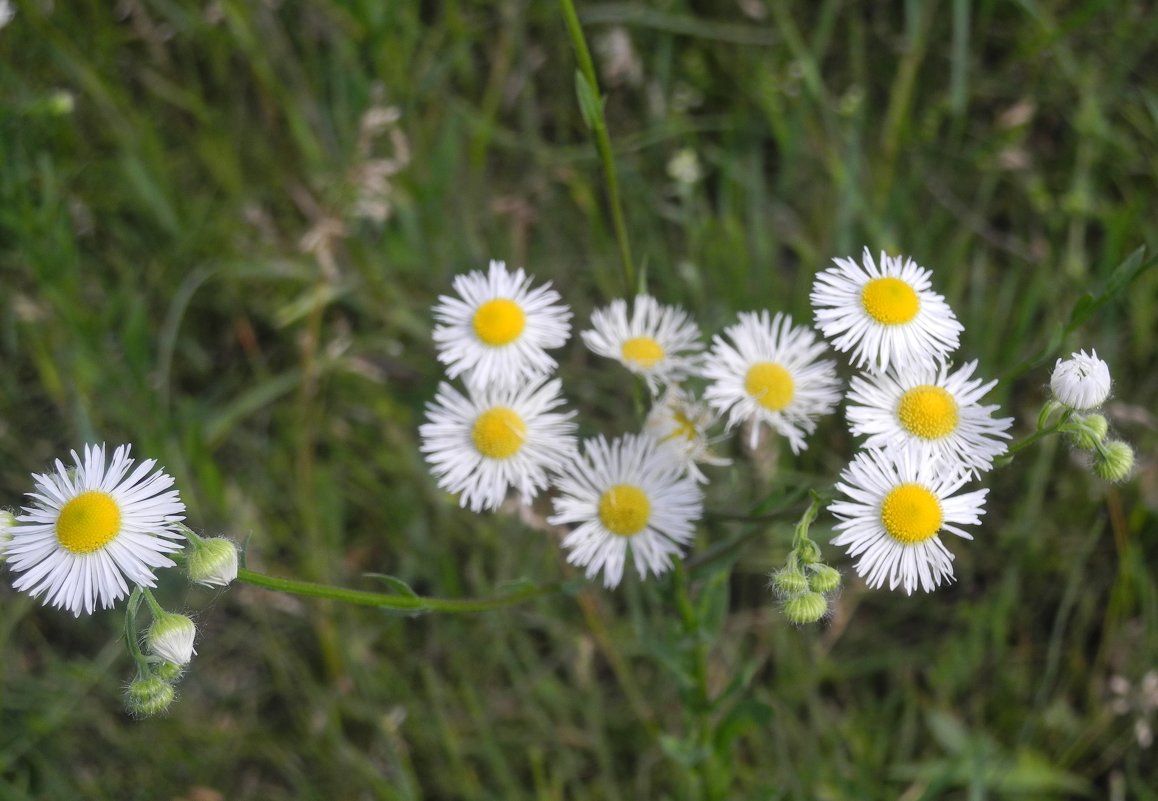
193	261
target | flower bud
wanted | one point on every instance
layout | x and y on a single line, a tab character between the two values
807	608
824	579
1090	432
1081	382
808	552
1114	461
149	696
212	562
788	582
171	638
170	672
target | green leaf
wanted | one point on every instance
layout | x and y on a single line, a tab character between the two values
396	584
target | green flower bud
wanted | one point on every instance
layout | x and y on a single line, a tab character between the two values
171	638
149	696
788	581
1114	461
169	672
807	608
824	579
808	553
212	562
1091	431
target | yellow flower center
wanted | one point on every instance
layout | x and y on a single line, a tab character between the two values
684	427
770	385
499	322
624	510
927	411
890	301
911	514
88	522
643	352
498	433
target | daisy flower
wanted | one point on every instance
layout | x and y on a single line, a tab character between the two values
660	343
93	525
481	444
1081	382
626	496
899	504
680	423
498	330
769	373
885	315
932	410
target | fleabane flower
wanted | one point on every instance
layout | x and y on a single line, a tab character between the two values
93	529
884	315
1081	382
659	343
771	373
931	409
496	333
628	495
481	444
899	503
680	423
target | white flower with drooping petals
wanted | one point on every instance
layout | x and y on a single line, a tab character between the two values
93	525
1081	382
884	315
496	333
899	504
931	409
660	343
629	495
680	423
771	373
484	443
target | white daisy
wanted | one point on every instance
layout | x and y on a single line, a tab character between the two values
629	495
770	374
886	315
1081	382
899	504
488	441
680	423
91	527
660	343
932	410
497	332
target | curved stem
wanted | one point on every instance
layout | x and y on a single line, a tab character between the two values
406	603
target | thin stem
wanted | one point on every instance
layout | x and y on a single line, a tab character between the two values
602	143
1032	438
409	603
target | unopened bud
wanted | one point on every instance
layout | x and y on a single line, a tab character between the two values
1114	461
1090	432
824	579
149	696
788	582
807	608
212	562
171	638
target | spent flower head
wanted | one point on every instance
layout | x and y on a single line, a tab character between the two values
496	333
886	314
93	528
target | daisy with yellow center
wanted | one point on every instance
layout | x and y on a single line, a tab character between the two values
94	529
496	333
484	443
899	505
771	373
626	497
660	343
680	423
884	315
932	410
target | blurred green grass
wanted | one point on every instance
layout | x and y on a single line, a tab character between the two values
161	165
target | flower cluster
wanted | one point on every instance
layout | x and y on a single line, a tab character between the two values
926	433
636	496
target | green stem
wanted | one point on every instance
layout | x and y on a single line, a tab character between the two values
409	603
706	763
1025	443
602	143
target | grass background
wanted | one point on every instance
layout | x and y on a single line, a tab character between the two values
184	266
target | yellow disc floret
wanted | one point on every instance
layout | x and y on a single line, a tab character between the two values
88	522
911	514
770	385
498	433
643	352
928	411
499	322
624	510
890	301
